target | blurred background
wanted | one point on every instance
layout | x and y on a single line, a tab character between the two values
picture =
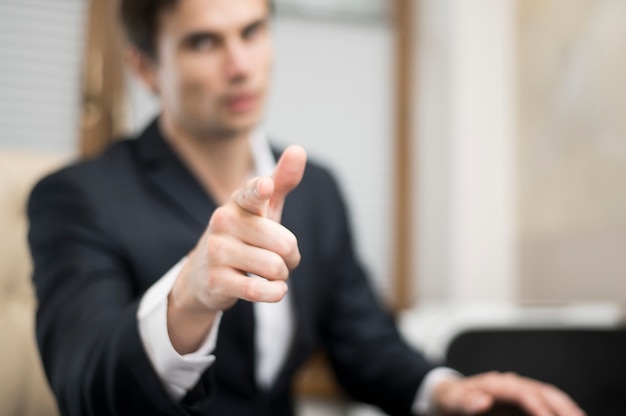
481	143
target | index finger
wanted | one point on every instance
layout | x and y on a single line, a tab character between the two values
254	196
289	170
287	175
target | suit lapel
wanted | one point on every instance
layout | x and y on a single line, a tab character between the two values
167	174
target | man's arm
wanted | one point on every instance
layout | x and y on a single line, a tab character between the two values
179	373
375	365
87	319
87	329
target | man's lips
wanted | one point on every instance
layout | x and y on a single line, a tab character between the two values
241	102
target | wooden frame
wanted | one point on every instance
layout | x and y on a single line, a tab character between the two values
315	379
404	18
103	79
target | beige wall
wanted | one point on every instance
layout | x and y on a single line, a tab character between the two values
552	156
572	150
465	136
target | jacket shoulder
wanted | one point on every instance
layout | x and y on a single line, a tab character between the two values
114	160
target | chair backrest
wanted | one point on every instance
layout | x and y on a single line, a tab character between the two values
589	365
23	388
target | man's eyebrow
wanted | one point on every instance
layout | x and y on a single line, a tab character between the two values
263	21
259	21
192	36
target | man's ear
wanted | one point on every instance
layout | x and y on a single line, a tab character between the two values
144	67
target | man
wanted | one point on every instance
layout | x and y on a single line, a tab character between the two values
143	309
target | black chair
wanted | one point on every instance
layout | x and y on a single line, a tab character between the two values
589	365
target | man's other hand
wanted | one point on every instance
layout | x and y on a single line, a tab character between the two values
478	394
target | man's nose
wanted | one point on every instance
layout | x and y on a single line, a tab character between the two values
237	61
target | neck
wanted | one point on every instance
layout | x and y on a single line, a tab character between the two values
221	164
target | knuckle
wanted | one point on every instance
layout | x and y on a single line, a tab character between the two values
510	376
492	377
287	244
213	280
284	289
280	289
275	267
271	270
548	389
250	290
215	248
221	219
527	396
467	401
297	257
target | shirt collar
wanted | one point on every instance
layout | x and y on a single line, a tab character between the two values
264	162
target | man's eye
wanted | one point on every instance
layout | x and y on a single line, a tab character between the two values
202	43
252	31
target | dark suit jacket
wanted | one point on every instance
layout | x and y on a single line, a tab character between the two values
103	231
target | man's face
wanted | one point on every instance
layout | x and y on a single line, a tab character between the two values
213	65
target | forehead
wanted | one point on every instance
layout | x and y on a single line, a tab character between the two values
218	16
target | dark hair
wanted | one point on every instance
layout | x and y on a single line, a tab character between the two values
140	20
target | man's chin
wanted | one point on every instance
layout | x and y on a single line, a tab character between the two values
226	131
242	124
226	125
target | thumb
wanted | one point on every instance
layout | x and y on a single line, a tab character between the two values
475	403
456	397
287	176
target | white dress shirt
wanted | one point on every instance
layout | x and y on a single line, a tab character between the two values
273	326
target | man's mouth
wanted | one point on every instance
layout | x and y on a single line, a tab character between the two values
240	103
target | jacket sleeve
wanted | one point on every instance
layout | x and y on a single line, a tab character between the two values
87	328
370	359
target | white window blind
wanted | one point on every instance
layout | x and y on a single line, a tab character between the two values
360	10
333	94
41	48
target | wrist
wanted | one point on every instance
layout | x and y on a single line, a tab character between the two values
189	320
187	328
429	395
185	297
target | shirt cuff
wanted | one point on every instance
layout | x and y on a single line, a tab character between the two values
423	403
179	373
